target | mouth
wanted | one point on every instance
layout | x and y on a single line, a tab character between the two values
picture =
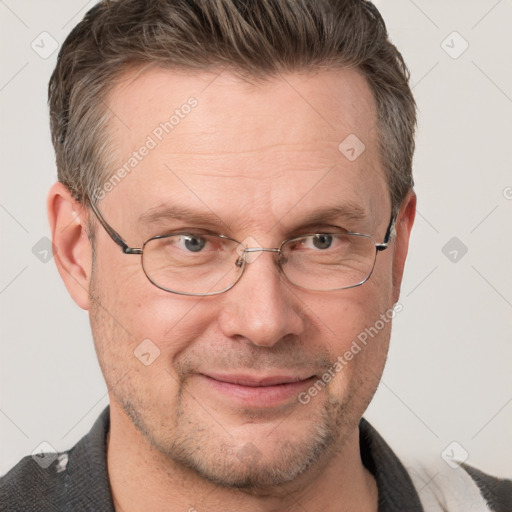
255	390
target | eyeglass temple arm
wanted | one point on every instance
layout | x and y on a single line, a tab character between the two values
390	232
116	237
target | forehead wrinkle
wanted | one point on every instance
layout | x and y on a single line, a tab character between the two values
261	149
259	166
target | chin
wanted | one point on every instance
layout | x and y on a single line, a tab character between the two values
256	458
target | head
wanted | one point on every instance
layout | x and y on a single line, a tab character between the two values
238	112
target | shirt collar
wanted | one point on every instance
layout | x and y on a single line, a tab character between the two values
396	490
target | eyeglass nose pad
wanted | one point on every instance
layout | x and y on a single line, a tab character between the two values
249	257
245	255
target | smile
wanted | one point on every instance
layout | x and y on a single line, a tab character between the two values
256	391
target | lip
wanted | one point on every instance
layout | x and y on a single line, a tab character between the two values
257	391
257	381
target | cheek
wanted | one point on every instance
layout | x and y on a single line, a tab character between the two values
355	330
342	316
129	311
138	306
138	332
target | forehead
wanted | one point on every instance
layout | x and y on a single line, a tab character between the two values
217	142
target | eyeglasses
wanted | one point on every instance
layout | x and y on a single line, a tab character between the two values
189	263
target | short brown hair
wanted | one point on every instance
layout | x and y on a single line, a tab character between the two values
259	38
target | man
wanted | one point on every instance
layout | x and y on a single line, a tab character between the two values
233	209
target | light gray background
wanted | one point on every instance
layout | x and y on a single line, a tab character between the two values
448	376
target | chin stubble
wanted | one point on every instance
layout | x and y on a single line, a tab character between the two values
209	453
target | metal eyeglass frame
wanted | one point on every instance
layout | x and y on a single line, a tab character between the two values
241	262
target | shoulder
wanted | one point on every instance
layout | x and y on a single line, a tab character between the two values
497	492
73	480
450	487
430	483
30	486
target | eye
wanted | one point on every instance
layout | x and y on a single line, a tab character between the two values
322	241
194	243
319	242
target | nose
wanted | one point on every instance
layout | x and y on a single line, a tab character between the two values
262	307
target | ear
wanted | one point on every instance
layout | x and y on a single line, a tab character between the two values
73	255
404	223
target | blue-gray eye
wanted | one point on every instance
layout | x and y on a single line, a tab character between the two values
194	243
322	241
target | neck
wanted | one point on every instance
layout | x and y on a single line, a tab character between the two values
142	478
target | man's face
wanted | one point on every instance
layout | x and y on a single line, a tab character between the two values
260	160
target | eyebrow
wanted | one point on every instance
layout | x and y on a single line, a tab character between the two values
349	211
161	214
